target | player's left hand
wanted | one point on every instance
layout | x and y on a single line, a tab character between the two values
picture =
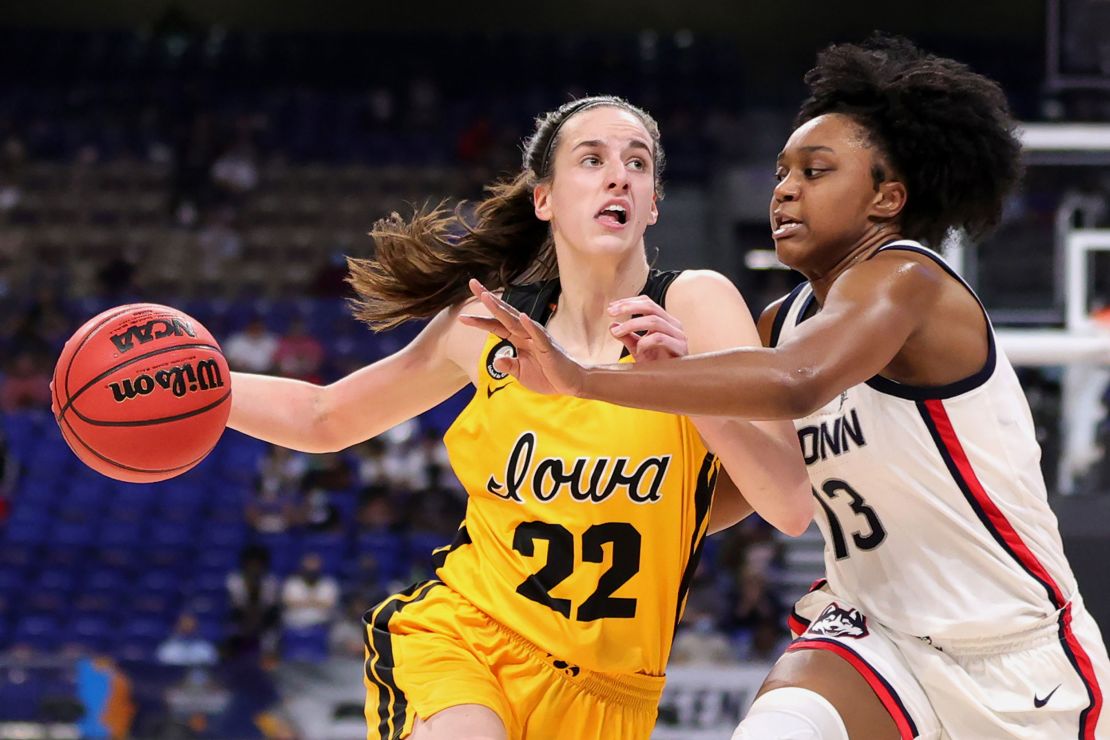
663	336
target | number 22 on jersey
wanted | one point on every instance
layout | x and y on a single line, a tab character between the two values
601	604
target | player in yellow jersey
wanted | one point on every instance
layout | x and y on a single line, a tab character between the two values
552	613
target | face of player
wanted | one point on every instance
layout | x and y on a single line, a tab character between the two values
826	204
601	197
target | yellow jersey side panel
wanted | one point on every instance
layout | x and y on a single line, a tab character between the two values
583	522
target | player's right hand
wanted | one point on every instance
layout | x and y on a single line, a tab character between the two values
649	333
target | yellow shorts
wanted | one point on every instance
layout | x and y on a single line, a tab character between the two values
428	649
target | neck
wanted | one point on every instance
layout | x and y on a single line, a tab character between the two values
822	282
587	287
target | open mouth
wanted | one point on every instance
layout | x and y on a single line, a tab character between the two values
785	226
615	215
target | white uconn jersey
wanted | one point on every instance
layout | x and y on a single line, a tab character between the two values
934	510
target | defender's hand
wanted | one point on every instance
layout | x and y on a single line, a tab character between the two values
541	365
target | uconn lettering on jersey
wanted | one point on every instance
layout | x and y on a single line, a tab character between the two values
827	440
586	479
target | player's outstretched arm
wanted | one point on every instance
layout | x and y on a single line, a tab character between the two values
762	458
315	418
867	318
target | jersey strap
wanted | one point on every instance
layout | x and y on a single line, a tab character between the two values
538	300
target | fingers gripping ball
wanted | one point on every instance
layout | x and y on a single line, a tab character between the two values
141	392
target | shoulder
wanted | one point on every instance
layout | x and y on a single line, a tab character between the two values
908	279
454	340
700	287
711	310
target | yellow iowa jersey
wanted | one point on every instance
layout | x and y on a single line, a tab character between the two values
584	521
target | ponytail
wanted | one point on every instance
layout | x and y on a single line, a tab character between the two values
423	265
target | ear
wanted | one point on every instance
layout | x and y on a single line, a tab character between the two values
654	213
889	200
541	201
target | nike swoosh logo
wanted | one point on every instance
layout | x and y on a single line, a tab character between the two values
491	391
1038	702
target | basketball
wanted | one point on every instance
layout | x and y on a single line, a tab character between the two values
141	392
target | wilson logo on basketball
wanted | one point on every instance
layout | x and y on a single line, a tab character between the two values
151	330
179	380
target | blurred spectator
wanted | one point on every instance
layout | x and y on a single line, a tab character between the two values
299	355
404	466
282	469
255	599
219	245
369	460
317	512
376	512
185	646
272	510
347	638
9	469
194	153
328	475
13	155
26	385
330	280
309	596
252	350
767	643
235	171
756	603
698	641
329	471
436	462
116	278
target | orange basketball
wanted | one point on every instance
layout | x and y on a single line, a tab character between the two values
141	392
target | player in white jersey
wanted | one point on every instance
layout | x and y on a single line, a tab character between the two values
949	609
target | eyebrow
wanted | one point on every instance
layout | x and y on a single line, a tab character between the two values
808	149
594	143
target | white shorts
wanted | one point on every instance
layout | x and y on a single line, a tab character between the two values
1044	683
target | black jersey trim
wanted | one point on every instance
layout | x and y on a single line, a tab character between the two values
784	309
656	287
439	555
392	702
703	498
538	300
949	390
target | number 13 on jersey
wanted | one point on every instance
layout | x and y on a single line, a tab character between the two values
871	532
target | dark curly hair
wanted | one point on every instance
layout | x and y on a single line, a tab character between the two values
945	130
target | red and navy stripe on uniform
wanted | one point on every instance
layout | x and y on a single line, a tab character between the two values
893	703
907	728
951	450
795	621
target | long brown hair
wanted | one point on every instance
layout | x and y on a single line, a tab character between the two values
421	265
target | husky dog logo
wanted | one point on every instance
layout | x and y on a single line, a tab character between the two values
504	348
837	622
